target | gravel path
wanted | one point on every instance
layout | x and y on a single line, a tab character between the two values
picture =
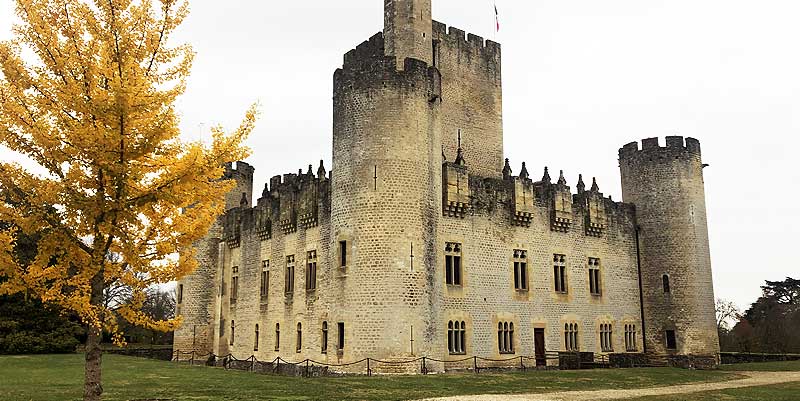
752	379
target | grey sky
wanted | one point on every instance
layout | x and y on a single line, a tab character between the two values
581	78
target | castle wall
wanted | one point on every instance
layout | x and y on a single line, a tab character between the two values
394	207
472	97
488	295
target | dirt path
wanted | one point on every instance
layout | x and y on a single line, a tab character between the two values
752	379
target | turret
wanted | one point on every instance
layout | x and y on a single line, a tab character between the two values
242	194
199	314
407	29
387	158
666	186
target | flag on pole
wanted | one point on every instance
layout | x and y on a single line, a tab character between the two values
497	17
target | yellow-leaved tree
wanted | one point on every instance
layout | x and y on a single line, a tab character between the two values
87	92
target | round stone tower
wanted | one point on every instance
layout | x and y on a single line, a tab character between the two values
666	186
385	200
198	293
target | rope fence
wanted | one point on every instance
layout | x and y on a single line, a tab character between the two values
365	366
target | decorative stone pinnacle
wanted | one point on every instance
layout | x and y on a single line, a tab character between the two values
581	184
310	172
595	187
524	172
507	170
321	173
460	155
561	180
546	178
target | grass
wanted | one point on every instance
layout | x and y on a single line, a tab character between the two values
787	366
60	377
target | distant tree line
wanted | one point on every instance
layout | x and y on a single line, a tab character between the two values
770	325
29	326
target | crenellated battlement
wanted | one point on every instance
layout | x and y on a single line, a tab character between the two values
366	68
466	41
288	202
651	147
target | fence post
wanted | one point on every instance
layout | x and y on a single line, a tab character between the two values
369	371
521	363
278	366
307	372
253	364
475	363
424	368
191	361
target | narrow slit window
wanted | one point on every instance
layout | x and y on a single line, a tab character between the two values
255	343
324	340
277	336
340	333
342	253
299	337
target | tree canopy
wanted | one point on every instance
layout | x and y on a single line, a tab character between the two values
87	95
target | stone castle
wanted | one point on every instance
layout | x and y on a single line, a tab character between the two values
422	242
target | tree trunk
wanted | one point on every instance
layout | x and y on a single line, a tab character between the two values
93	389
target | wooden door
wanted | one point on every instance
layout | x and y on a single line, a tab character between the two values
538	341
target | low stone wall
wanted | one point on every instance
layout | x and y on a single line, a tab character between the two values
729	358
703	362
627	360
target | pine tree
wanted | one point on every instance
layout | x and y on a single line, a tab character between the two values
120	198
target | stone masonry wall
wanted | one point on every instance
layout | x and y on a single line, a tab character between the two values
472	97
666	185
488	296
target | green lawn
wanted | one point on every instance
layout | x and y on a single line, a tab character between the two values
790	366
59	377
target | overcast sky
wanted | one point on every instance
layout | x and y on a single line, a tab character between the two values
581	78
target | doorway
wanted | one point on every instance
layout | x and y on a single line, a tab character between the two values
539	349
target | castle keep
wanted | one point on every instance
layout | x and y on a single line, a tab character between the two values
422	240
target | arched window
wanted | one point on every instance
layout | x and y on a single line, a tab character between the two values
255	344
463	345
571	337
456	337
630	338
451	340
606	338
505	335
665	280
511	338
500	343
277	336
324	337
233	331
299	337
